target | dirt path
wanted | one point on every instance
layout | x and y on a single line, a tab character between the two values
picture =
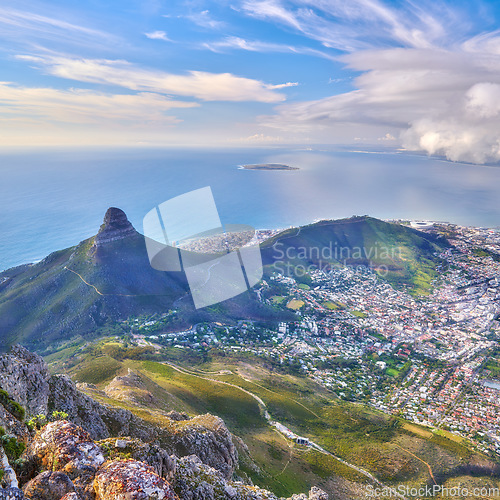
279	427
423	461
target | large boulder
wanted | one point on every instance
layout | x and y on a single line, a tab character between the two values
130	480
48	486
64	446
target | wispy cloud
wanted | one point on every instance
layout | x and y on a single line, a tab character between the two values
79	106
234	42
355	25
205	20
198	84
272	10
157	35
25	26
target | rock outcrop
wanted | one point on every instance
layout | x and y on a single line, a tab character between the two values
115	227
24	375
192	457
131	480
196	481
314	494
64	446
152	454
49	486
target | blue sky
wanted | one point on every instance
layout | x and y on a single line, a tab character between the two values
415	75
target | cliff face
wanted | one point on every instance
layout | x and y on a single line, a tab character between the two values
25	377
101	452
115	227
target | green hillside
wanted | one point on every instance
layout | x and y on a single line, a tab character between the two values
401	255
87	289
393	450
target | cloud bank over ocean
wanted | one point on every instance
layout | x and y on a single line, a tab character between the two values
423	77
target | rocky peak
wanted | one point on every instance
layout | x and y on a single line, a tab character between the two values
115	226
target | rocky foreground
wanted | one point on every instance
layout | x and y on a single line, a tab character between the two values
92	451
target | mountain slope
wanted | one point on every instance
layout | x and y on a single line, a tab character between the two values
108	278
401	255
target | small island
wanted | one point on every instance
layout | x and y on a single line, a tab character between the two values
269	166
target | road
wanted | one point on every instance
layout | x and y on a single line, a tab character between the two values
284	430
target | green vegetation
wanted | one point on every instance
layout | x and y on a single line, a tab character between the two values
363	437
404	257
493	366
12	446
13	407
276	299
38	421
98	369
359	314
483	252
333	306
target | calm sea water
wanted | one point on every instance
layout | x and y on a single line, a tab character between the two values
51	200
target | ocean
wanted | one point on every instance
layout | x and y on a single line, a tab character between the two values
51	200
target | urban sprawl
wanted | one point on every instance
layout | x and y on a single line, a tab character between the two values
433	360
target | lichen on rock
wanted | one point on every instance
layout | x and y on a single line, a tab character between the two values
48	486
130	480
64	446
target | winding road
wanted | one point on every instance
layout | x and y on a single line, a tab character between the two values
282	429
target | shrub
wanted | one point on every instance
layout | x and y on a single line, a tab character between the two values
58	415
13	407
13	447
36	422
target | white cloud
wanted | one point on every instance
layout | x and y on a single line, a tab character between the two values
198	84
273	10
25	26
234	42
436	87
439	101
358	24
387	137
77	106
261	138
205	20
157	35
282	85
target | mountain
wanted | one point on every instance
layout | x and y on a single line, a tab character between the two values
405	257
107	278
98	282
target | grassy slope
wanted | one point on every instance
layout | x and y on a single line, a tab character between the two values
371	440
401	254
